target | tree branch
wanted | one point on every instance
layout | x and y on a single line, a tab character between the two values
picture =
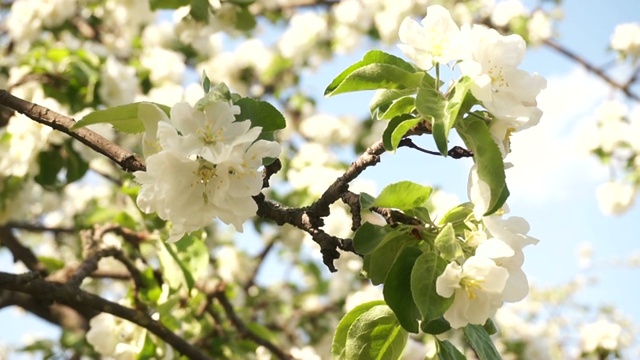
220	295
126	160
33	284
21	252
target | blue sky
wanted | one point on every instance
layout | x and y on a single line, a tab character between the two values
553	186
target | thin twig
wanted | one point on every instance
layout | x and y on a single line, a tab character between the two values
220	295
21	252
260	257
596	71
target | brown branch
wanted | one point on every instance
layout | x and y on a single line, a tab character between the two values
353	201
625	88
125	159
21	252
33	284
39	228
242	328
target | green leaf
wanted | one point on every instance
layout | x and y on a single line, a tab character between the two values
376	70
52	264
435	326
430	104
76	166
124	118
376	334
151	291
383	98
376	265
260	113
486	154
398	284
148	350
404	105
200	10
458	213
448	351
368	237
447	243
184	262
206	82
397	129
245	20
481	343
458	104
340	337
365	201
167	4
403	195
50	163
423	286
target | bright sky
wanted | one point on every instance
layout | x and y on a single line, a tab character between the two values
552	182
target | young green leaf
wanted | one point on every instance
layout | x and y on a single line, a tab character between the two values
436	326
404	105
368	237
184	262
260	113
447	243
479	340
397	129
377	264
476	136
398	284
383	98
376	70
448	351
403	195
423	286
125	118
340	336
430	104
376	334
455	107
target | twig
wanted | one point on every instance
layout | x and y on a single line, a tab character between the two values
39	228
263	255
125	159
21	252
393	217
32	283
220	295
353	201
599	73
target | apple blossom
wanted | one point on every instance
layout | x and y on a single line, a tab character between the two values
436	41
477	288
626	40
507	92
615	197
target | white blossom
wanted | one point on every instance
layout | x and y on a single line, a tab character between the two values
507	92
201	165
506	10
118	83
601	334
164	65
477	288
626	40
539	27
115	337
435	40
615	197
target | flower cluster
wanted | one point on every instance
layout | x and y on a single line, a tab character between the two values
201	164
491	276
488	58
